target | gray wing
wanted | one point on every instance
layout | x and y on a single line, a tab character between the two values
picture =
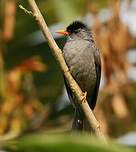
69	91
97	60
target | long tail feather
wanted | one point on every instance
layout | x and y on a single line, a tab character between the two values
78	121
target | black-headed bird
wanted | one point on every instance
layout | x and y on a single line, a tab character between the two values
83	60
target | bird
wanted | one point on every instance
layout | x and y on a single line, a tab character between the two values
83	59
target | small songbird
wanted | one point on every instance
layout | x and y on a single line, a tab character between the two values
83	59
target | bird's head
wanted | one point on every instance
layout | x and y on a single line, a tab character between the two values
76	29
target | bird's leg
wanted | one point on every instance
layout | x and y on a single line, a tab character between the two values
84	95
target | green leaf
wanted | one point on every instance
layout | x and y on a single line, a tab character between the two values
44	142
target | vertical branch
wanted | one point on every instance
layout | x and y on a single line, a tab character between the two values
2	85
6	33
9	19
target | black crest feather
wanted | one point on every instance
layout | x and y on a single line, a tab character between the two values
75	26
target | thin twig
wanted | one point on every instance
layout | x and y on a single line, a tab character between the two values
59	57
25	10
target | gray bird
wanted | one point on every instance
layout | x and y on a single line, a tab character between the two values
83	59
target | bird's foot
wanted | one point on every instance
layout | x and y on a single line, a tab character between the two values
84	95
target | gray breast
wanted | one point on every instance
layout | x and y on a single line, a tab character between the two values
79	58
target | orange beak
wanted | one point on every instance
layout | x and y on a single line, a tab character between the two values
63	32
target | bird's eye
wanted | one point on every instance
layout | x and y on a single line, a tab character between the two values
76	31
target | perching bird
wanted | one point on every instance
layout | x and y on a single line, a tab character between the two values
83	59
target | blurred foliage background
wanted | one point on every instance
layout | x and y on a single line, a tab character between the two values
32	94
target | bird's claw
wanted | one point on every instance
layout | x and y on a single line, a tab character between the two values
84	95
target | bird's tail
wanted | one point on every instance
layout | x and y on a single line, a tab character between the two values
86	126
78	121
